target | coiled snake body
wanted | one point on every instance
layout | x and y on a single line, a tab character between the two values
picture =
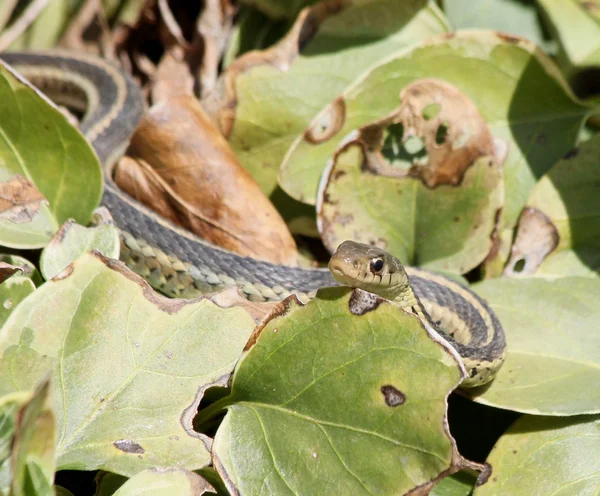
180	264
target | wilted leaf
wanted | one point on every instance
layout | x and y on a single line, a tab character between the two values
129	366
498	73
188	155
576	24
161	481
9	409
265	99
355	385
563	213
12	292
73	240
437	205
7	270
553	345
32	457
546	456
41	156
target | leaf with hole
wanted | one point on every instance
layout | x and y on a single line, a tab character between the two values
498	73
437	205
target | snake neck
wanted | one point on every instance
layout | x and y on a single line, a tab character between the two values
408	300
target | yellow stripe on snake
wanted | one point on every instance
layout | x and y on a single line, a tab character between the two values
178	263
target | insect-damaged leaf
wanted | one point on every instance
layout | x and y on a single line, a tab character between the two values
48	171
345	395
558	456
265	99
553	345
129	366
498	73
433	204
559	231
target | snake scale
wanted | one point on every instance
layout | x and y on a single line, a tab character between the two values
180	264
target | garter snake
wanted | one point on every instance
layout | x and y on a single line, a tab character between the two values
180	264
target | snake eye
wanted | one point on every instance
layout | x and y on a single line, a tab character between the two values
376	265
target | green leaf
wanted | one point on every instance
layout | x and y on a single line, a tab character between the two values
508	16
356	385
576	25
562	214
498	73
276	103
157	482
41	156
558	456
448	214
32	458
73	240
12	292
553	345
129	366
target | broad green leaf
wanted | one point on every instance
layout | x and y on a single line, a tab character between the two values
553	345
12	292
48	171
32	457
73	240
508	16
61	491
276	102
108	483
344	395
444	217
563	213
498	73
557	456
158	482
129	366
576	25
33	273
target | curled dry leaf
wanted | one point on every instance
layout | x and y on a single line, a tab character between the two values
173	77
20	200
197	182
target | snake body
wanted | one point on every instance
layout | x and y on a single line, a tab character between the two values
179	263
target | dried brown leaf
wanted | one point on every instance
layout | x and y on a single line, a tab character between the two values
198	183
172	77
19	200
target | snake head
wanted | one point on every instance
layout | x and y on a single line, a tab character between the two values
370	268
